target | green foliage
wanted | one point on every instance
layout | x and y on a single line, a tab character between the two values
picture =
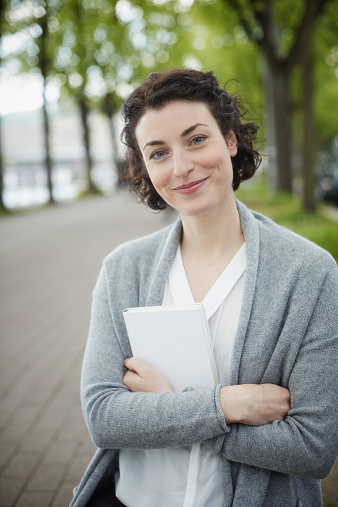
286	210
242	58
213	39
288	20
89	193
104	48
107	46
27	22
325	80
326	74
93	47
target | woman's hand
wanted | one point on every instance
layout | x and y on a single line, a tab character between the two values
253	404
140	377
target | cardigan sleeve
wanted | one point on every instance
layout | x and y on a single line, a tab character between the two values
118	418
306	443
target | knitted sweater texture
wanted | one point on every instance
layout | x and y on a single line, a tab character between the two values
287	335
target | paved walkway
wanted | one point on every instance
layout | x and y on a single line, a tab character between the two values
49	260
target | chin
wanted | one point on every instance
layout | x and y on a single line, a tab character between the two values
194	211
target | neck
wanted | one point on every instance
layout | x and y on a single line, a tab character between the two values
215	233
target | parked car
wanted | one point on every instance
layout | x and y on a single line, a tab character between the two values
327	188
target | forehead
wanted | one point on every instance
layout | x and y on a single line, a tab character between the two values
175	116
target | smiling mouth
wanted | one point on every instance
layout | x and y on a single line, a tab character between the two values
190	185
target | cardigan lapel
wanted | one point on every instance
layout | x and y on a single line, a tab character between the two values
159	278
160	274
251	235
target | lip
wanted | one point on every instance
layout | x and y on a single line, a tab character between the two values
189	188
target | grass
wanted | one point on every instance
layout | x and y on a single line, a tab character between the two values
89	193
286	210
24	209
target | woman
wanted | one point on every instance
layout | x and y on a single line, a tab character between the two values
267	433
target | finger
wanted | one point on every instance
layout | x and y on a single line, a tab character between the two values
126	363
134	364
131	380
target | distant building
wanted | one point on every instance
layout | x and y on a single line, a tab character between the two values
23	156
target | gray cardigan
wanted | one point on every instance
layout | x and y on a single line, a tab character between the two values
287	335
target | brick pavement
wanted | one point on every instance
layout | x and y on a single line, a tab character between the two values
50	259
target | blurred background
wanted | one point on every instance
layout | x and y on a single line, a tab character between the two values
66	68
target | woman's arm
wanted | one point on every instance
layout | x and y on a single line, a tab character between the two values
248	404
306	442
254	405
118	418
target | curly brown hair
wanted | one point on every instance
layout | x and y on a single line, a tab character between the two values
189	85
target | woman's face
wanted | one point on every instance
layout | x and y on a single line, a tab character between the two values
187	157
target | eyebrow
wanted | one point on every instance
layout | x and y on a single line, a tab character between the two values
184	133
192	128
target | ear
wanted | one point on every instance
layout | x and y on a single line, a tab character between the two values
232	143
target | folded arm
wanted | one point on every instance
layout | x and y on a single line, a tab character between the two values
306	442
302	443
248	404
119	418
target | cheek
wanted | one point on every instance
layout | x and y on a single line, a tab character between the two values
223	160
215	157
220	164
153	177
159	177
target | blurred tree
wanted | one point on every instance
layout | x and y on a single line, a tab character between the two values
267	46
147	40
104	49
76	23
111	104
326	74
29	19
219	43
45	62
283	31
2	204
98	51
95	51
229	41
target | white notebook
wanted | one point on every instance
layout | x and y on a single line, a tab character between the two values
175	341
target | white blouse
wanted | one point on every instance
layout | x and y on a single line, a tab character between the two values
188	476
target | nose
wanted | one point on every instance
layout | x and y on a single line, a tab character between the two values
183	163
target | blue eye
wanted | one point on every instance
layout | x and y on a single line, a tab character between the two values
158	154
198	139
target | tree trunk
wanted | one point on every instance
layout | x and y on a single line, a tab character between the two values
277	86
48	159
43	64
120	165
280	111
2	204
86	140
110	107
279	71
309	138
270	128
